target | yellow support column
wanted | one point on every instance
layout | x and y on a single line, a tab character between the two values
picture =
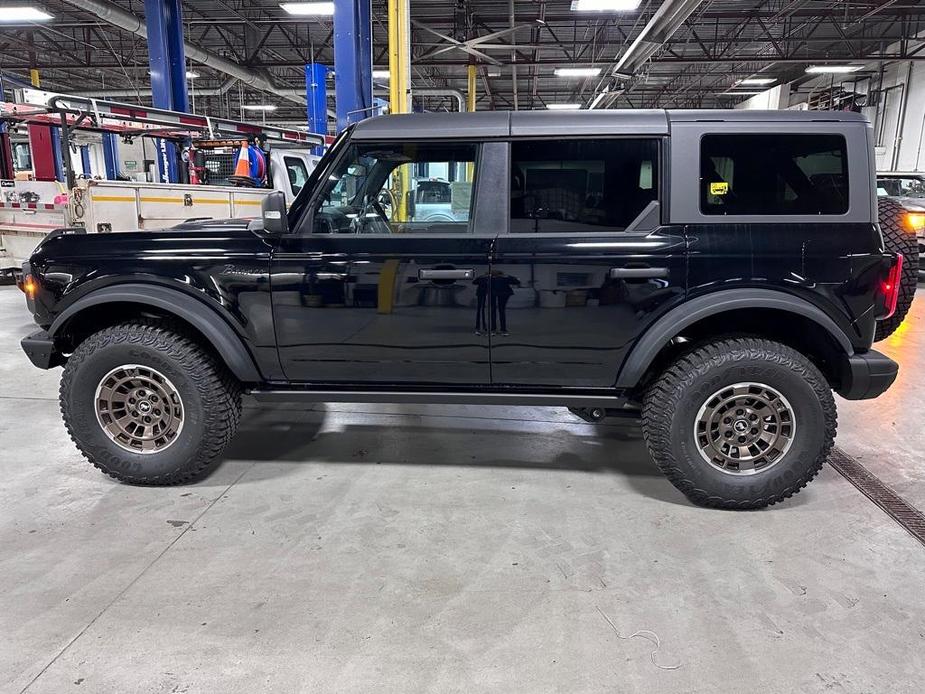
470	106
34	78
399	102
399	90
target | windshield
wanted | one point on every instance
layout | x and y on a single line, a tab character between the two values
901	186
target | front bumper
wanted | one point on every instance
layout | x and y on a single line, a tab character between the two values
867	375
40	348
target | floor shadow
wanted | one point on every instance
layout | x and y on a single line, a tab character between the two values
299	435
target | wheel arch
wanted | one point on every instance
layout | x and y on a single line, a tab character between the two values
752	311
109	304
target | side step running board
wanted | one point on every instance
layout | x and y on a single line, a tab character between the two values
441	397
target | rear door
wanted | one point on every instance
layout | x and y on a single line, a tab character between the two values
586	264
372	290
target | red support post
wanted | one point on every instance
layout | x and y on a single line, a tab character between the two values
43	152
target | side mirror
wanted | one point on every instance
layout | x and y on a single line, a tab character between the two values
273	214
409	203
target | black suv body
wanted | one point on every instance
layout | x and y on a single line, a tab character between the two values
604	261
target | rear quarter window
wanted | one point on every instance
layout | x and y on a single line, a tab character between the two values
773	174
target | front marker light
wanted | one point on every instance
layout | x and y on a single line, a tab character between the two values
29	286
914	222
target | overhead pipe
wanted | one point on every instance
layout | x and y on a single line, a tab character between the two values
664	23
667	19
123	93
455	94
136	25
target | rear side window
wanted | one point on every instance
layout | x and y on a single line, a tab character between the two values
773	174
575	186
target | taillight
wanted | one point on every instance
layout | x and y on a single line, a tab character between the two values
890	287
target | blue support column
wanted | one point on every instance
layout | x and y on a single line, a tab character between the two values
353	61
85	159
57	153
316	94
111	156
167	60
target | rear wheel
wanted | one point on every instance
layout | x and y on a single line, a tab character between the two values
898	239
740	423
147	405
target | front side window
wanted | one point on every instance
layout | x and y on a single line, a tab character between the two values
577	186
399	188
777	174
298	174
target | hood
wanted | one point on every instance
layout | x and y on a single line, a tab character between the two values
212	224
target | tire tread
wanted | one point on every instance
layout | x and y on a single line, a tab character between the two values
218	388
660	402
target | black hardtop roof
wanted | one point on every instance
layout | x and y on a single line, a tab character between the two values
489	124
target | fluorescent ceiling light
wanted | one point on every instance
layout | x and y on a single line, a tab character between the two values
190	75
743	93
259	107
605	5
757	81
835	69
577	71
23	14
563	107
309	9
380	74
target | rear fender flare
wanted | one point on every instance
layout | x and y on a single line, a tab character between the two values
669	325
207	320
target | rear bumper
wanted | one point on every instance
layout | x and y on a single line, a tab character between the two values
867	375
40	349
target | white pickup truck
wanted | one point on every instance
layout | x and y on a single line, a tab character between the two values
31	209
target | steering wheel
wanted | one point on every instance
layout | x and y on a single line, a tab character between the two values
371	224
385	199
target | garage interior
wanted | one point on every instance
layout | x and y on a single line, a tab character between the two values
356	548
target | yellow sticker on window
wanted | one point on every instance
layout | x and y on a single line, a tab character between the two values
719	188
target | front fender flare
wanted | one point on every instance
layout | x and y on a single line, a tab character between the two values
669	325
207	320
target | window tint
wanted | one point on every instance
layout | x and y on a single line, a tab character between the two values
399	188
581	185
297	172
773	174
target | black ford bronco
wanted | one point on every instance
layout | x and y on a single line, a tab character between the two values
716	273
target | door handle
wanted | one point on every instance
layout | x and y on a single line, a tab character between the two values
446	274
635	273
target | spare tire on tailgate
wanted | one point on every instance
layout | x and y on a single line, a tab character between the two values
897	238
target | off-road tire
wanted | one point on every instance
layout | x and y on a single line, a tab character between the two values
211	399
672	403
898	239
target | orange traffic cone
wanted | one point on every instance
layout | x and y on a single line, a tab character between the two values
193	170
242	170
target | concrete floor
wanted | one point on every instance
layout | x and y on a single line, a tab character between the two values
449	549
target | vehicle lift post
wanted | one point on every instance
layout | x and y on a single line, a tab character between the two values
167	60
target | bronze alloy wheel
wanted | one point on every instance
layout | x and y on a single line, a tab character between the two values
139	409
744	428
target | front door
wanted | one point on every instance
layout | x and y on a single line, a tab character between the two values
382	283
585	266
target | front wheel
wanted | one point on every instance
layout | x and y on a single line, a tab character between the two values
740	423
147	405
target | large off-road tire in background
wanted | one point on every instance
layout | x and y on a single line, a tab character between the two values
897	238
739	423
147	405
